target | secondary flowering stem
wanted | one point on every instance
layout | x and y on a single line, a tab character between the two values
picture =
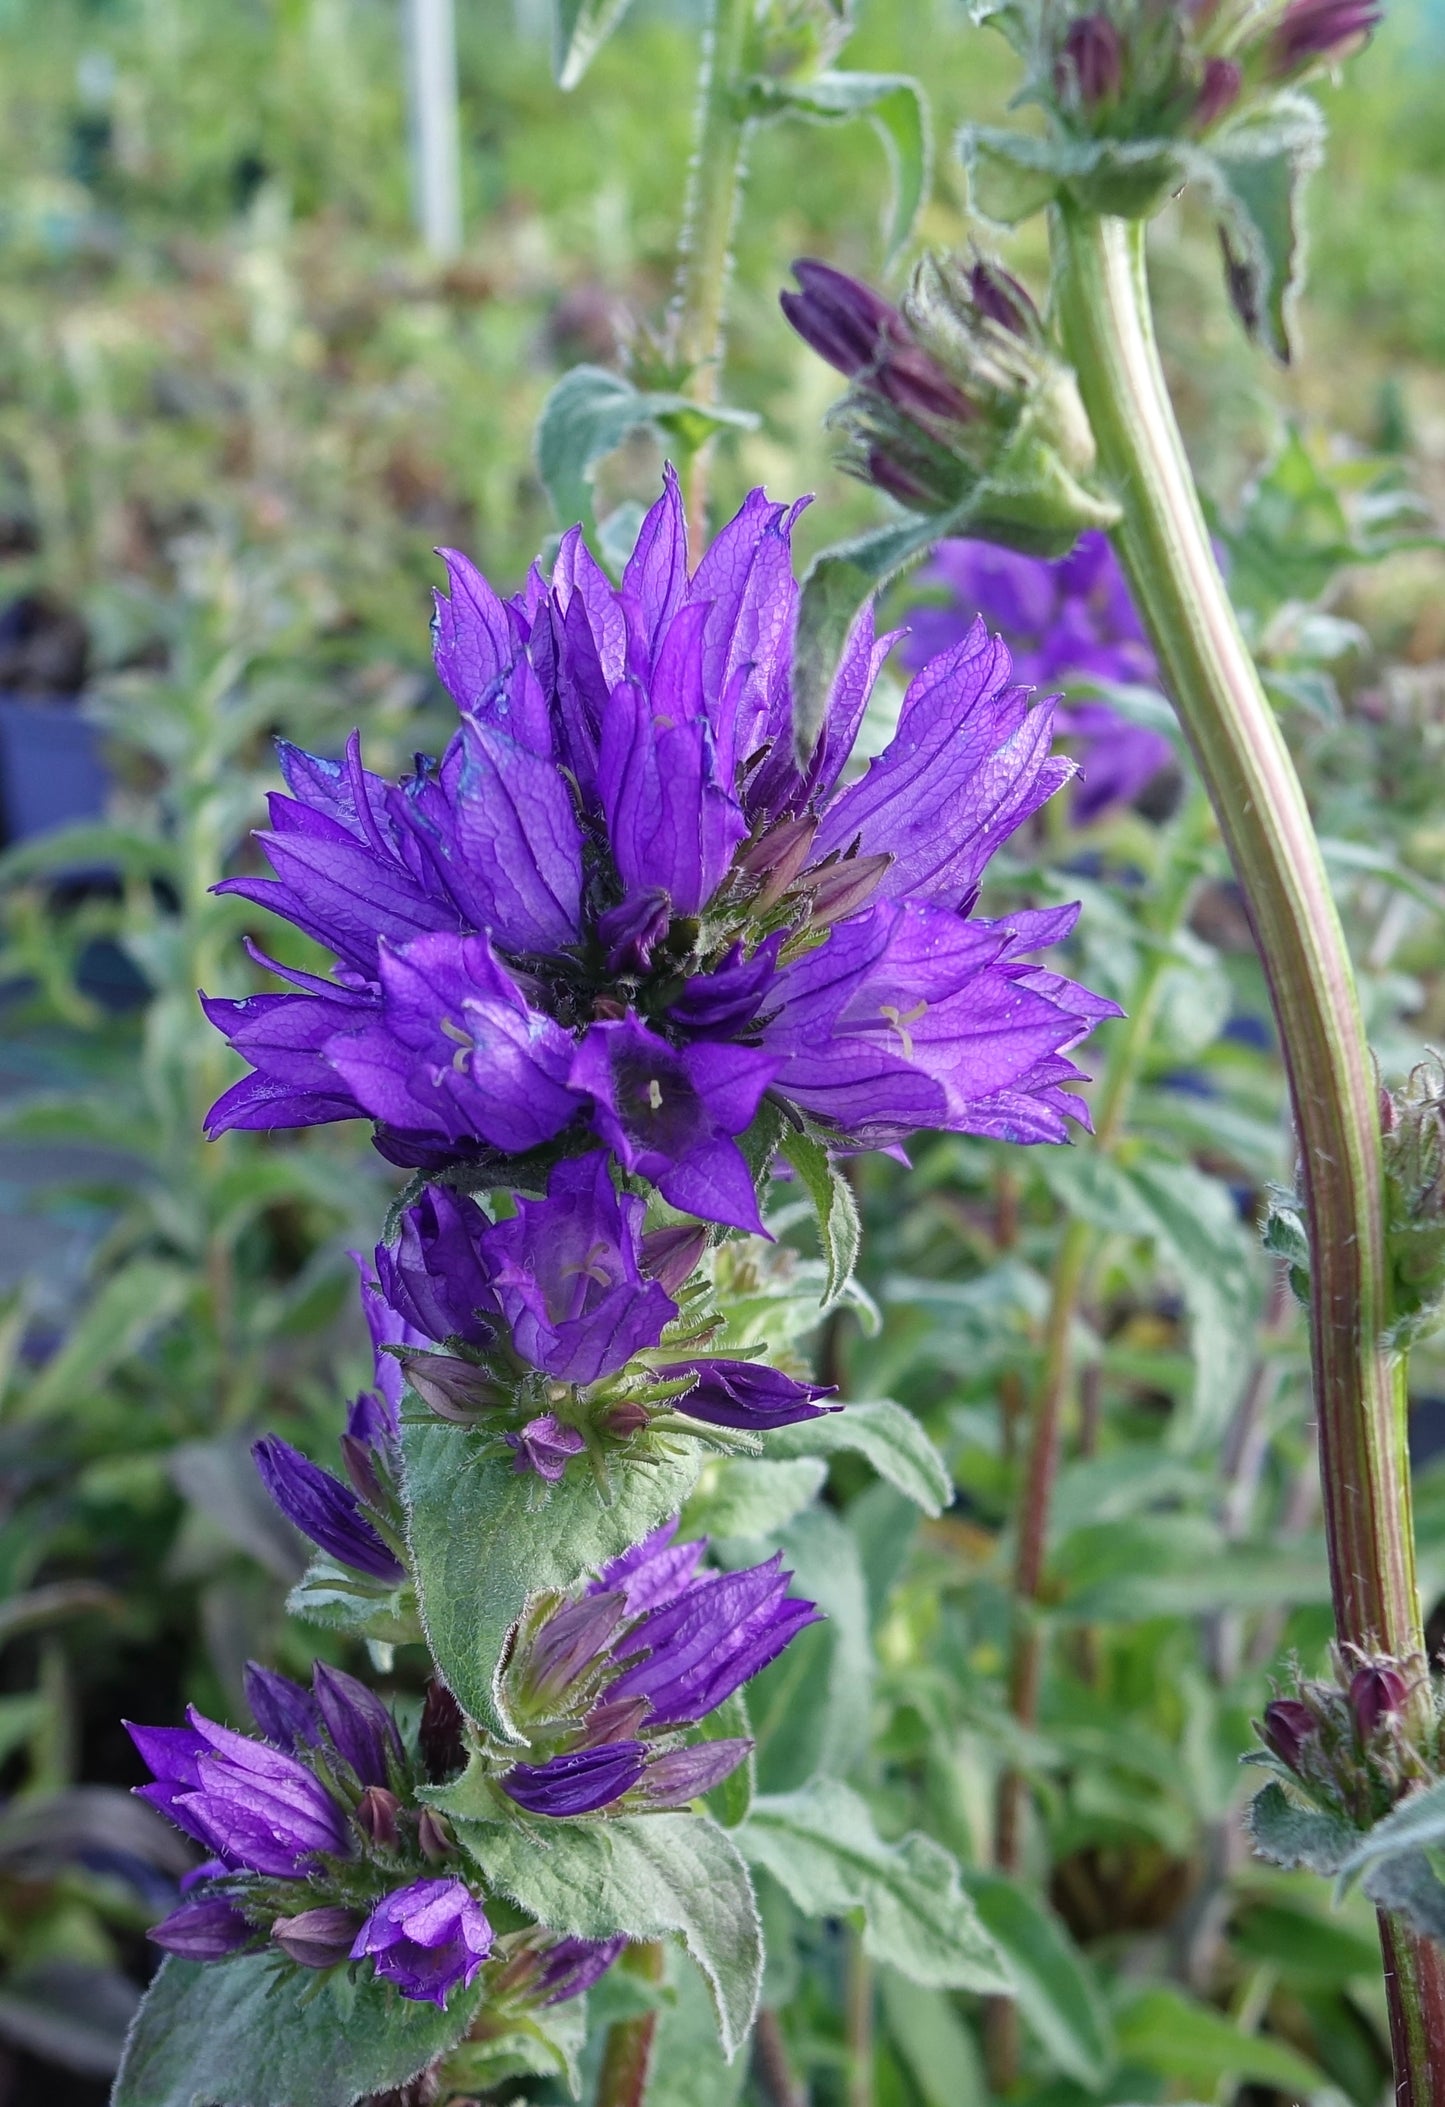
715	186
627	2057
1164	546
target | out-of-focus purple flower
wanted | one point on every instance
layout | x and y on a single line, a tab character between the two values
571	1966
1321	32
545	1446
1064	623
579	1782
567	1275
426	1938
1288	1727
1090	67
486	999
324	1509
256	1807
746	1394
317	1938
209	1928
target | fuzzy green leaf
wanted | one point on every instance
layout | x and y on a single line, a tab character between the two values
1054	1985
895	106
839	1229
821	1846
1197	2046
649	1876
744	1496
1292	1835
244	2033
587	416
484	1536
887	1435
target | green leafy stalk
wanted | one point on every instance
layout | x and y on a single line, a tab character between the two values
715	186
1164	546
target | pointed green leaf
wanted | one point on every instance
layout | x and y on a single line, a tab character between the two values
245	2033
821	1846
587	416
1292	1835
893	103
890	1438
839	1229
1257	173
1054	1985
649	1876
745	1496
484	1536
1199	2047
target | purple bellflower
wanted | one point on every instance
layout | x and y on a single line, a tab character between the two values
206	1928
426	1939
652	1648
1065	624
608	904
259	1809
324	1509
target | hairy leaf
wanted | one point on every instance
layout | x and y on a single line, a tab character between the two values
587	416
890	1438
893	103
1294	1835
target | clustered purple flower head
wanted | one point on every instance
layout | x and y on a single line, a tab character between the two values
1066	623
651	1648
623	902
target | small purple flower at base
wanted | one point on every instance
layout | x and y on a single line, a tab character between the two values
206	1929
570	1967
317	1938
324	1509
578	1783
746	1394
545	1446
427	1939
1288	1727
254	1806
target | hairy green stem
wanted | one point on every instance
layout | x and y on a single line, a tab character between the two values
714	192
627	2052
1164	546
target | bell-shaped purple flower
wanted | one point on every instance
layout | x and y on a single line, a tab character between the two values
324	1509
708	1641
362	1730
207	1928
656	1571
488	1001
426	1938
746	1394
578	1783
435	1277
567	1274
256	1807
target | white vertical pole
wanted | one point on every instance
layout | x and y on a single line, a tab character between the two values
431	52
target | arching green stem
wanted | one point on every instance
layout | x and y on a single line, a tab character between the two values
1164	546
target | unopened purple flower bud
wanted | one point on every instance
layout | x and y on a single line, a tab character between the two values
578	1783
1321	32
1377	1693
362	1729
426	1938
1091	62
1000	298
746	1394
1287	1727
631	931
324	1509
441	1736
358	1460
434	1836
844	321
672	1256
317	1938
570	1967
683	1775
572	1638
840	889
778	855
897	481
376	1813
626	1418
1218	93
286	1714
456	1390
545	1446
207	1929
